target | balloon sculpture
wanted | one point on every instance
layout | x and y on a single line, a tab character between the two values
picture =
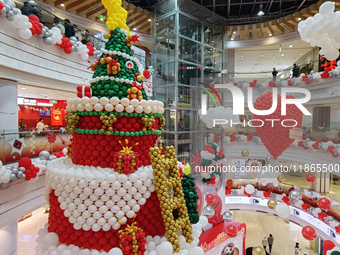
276	139
119	189
322	30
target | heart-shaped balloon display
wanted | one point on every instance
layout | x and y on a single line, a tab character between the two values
273	134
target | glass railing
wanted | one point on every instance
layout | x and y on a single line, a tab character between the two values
15	145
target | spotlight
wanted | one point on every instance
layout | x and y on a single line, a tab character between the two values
62	5
260	13
149	19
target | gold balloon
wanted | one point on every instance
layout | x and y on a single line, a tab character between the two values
272	204
245	153
281	179
258	250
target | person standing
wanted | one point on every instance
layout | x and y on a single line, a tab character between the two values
264	242
297	249
40	126
274	73
69	29
270	242
296	71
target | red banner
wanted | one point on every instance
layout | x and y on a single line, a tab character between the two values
57	117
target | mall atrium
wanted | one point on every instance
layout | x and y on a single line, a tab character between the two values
169	127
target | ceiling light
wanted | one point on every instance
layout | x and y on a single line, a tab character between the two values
232	39
261	56
282	55
23	88
300	54
149	19
241	56
135	29
234	32
31	2
270	34
157	24
293	60
62	5
101	19
291	46
260	13
299	19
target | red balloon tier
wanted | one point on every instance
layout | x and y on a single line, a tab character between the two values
118	191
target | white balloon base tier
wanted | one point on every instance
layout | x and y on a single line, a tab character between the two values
89	206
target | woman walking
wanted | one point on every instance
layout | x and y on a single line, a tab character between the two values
270	242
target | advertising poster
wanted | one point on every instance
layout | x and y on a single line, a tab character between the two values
57	117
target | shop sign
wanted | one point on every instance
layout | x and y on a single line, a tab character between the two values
56	117
29	101
295	133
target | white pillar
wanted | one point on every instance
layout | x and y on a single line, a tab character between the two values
9	239
8	105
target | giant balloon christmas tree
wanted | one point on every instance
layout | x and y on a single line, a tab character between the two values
118	191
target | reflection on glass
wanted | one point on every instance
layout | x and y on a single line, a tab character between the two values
189	51
165	27
190	28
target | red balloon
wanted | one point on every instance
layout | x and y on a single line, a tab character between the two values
210	199
309	233
25	162
324	203
68	50
231	231
254	165
310	178
327	245
1	5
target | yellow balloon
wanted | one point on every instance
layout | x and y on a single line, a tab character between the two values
245	153
272	204
258	250
281	179
187	169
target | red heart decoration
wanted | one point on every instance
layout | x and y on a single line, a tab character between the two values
276	139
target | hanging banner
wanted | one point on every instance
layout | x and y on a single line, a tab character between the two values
56	117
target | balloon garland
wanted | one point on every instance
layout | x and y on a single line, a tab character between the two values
30	26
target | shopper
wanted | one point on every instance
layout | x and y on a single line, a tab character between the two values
296	71
27	9
264	242
274	73
77	32
297	249
57	23
270	242
69	29
40	125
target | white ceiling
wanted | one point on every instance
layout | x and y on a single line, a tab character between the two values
264	58
30	91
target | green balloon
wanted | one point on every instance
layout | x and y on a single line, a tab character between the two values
335	253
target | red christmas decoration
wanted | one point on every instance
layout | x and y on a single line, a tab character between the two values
36	26
231	231
272	84
245	193
30	170
232	138
93	66
276	139
1	6
327	245
250	137
132	240
84	91
66	45
227	191
90	47
210	199
309	233
126	160
254	165
324	203
229	182
51	137
310	178
286	200
305	206
337	229
322	216
59	154
316	144
146	74
267	193
220	153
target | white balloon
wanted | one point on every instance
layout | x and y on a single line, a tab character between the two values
203	221
50	239
115	251
282	210
332	54
25	33
165	248
249	189
326	8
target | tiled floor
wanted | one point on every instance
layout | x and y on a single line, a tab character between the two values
285	234
28	232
